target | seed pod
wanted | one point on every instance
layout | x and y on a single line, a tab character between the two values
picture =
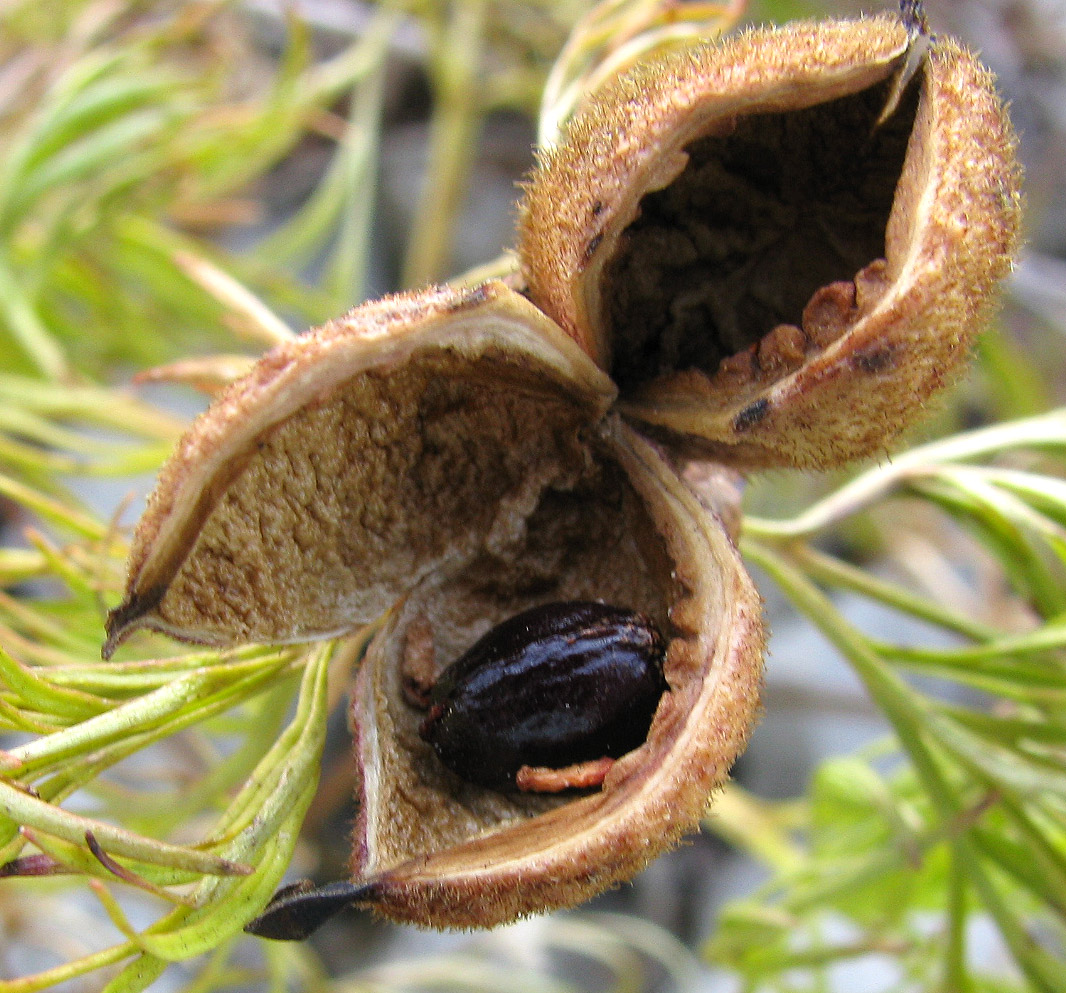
455	456
777	244
436	849
553	686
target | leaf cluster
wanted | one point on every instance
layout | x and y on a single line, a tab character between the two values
962	825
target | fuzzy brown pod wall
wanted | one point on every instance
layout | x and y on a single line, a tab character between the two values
772	244
763	251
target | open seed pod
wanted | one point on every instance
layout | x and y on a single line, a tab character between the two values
451	453
449	458
627	532
781	244
353	462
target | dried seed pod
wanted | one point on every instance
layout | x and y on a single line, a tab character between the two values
312	494
440	852
453	452
453	457
778	244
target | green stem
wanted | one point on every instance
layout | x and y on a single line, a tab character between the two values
872	486
171	704
23	808
956	978
898	702
69	970
452	144
828	569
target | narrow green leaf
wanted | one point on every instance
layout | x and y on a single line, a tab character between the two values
280	790
1018	552
124	89
1044	880
27	331
105	147
63	703
173	700
1008	769
22	808
137	975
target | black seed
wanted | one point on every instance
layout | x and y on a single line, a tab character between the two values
553	686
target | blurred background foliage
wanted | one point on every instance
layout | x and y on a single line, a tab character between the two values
183	184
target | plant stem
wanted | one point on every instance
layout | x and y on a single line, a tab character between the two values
874	485
956	978
452	142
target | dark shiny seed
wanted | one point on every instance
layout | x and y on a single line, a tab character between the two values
553	686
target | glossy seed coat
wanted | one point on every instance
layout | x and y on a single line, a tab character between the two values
553	686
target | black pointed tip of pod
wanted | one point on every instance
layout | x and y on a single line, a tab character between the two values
298	910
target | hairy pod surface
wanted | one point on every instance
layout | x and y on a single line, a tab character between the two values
768	251
776	244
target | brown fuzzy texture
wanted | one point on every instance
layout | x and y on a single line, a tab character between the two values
441	854
453	454
821	394
311	494
588	187
528	501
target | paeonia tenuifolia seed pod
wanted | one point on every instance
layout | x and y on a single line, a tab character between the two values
781	244
764	252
